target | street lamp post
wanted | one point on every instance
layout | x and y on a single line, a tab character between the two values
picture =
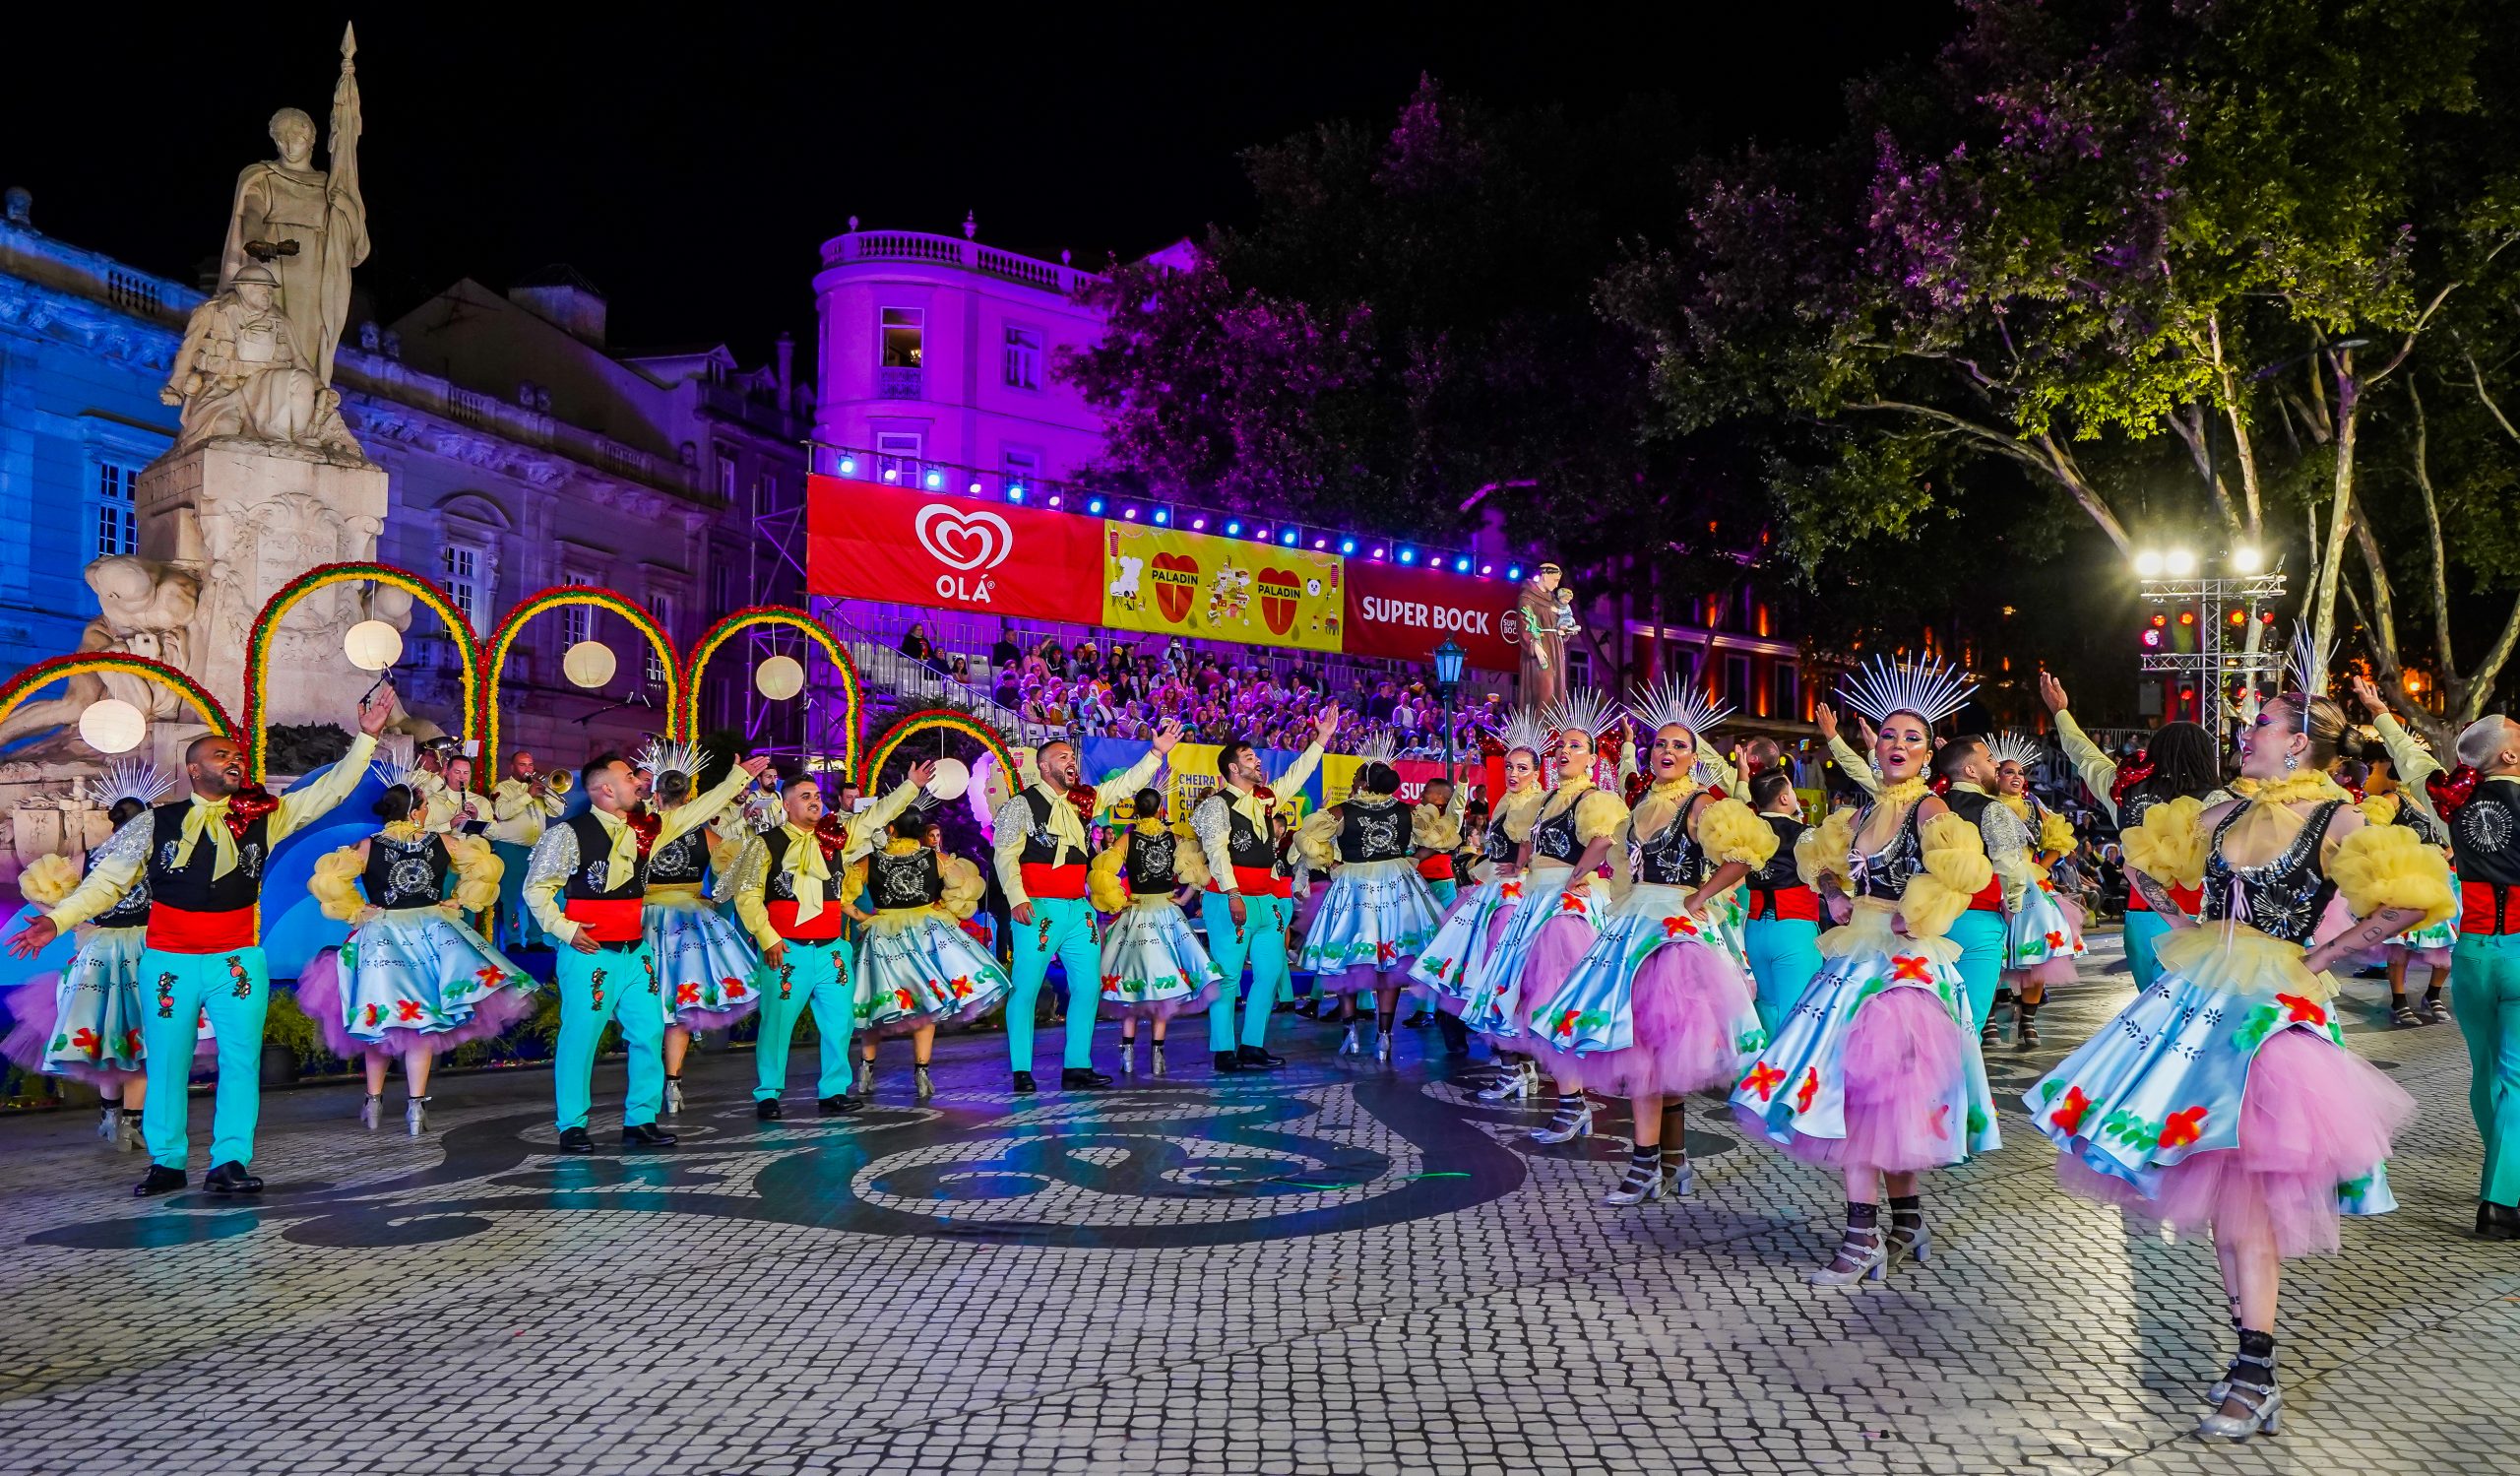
1448	659
2179	579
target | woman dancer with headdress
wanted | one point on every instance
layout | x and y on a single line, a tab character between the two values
1553	926
1153	966
918	968
414	981
2403	799
1377	915
2043	932
2182	761
1659	1007
84	1023
705	964
1877	1070
1450	964
2225	1096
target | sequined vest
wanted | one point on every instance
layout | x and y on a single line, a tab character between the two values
1780	871
406	873
2283	898
1373	832
898	882
682	860
1672	858
1150	863
133	909
193	889
594	853
1885	874
1554	837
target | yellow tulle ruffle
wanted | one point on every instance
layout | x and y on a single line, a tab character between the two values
1317	838
1872	928
1430	829
2382	866
335	885
2238	957
1520	811
2055	834
2170	845
1956	870
1728	830
1103	880
1822	852
1598	814
478	869
47	879
964	888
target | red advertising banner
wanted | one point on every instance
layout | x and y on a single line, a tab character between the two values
1403	613
867	541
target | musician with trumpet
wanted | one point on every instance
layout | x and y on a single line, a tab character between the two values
522	805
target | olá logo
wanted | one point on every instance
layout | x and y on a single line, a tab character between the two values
970	540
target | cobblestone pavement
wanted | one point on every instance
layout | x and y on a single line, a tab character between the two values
1331	1269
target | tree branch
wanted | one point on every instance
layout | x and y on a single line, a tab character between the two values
2432	528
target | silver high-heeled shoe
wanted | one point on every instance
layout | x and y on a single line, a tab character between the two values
109	1124
1638	1187
1347	1044
1868	1252
371	1111
415	1116
673	1098
864	1085
1128	1056
128	1140
923	1086
1683	1179
1382	1048
1566	1130
2261	1404
1917	1245
1155	1058
1513	1086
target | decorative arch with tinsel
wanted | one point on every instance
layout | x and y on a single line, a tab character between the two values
44	673
503	640
257	643
933	716
771	614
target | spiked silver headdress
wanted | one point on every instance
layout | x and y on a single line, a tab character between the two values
2016	747
1583	710
130	779
1927	687
394	772
1378	748
1522	729
2307	665
661	758
1671	700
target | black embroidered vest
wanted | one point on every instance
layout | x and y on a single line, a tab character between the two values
1150	865
899	882
406	873
192	889
2283	898
1373	832
594	852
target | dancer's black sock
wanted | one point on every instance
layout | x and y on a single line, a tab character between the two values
1861	1215
1647	1160
2257	1361
2027	1011
1675	1137
1382	1021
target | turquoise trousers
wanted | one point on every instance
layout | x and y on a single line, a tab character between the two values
1785	952
1062	927
236	989
815	974
1261	942
517	928
2485	996
606	984
2144	930
1980	936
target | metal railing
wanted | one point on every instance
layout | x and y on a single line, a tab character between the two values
951	251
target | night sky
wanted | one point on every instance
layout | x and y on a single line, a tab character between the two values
690	161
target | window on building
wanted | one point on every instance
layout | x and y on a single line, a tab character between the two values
726	472
724	570
903	330
896	457
1022	357
659	605
1736	680
1022	465
1785	684
577	621
461	566
1579	665
117	508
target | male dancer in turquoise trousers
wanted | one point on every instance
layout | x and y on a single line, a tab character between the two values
2485	966
786	884
587	885
1249	900
1041	856
1782	933
203	859
1969	780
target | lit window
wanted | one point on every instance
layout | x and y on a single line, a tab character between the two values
660	606
896	457
727	474
1022	357
117	509
904	329
461	573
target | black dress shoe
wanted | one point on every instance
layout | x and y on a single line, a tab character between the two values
644	1135
161	1181
1229	1062
575	1141
1023	1084
1082	1079
768	1110
835	1106
1259	1058
1418	1021
230	1179
1310	1008
2494	1222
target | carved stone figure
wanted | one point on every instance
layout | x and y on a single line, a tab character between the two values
145	609
309	224
1544	622
239	376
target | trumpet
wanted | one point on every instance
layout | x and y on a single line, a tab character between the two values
551	782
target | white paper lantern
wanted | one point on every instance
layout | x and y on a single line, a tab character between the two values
779	678
112	726
372	645
951	781
589	663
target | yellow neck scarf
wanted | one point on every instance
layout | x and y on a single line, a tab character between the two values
621	862
806	871
207	818
1070	830
402	830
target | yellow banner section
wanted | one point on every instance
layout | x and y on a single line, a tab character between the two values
1338	777
1199	585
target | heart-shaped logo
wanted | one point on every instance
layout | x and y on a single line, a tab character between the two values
1176	584
964	538
1278	592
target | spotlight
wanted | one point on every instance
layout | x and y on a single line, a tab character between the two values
2152	639
1234	529
1321	543
2149	564
1487	569
892	474
1056	500
2238	618
1288	537
936	482
1198	523
975	488
1347	545
2178	564
1129	513
1409	555
848	465
2187	618
2160	620
1262	535
1461	566
1513	572
1377	551
1095	505
1164	516
1015	493
2247	559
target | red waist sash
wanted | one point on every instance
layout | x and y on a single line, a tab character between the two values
1785	902
2484	908
821	928
1053	883
2190	899
1989	898
1432	868
616	921
171	930
1259	881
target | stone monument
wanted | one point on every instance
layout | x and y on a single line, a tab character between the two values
1544	621
265	481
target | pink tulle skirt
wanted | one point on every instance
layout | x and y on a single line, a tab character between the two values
2313	1115
1452	1004
1685	999
1902	1054
2058	970
1555	951
319	994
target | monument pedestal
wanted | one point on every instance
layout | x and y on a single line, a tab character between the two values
246	517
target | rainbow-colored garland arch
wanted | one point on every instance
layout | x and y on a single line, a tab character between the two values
258	644
933	716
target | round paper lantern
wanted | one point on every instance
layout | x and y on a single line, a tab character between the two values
779	678
589	663
372	645
952	779
112	726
